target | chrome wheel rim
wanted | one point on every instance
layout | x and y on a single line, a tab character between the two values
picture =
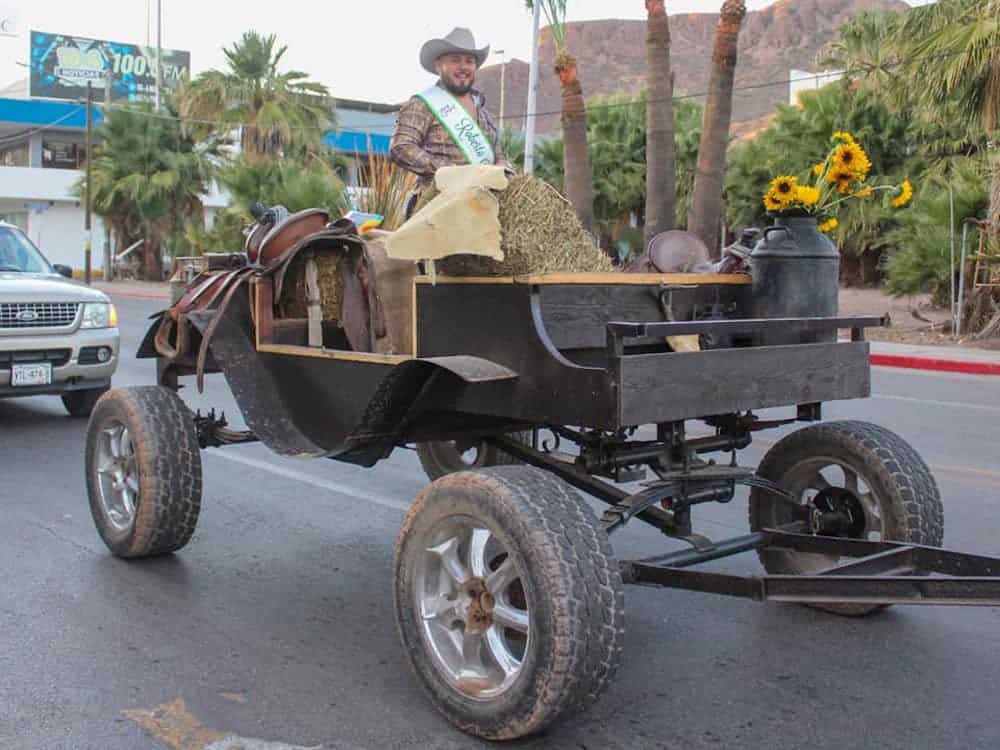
117	475
472	607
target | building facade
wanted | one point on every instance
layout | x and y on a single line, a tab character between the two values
43	151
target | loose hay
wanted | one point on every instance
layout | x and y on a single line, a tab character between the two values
331	287
540	233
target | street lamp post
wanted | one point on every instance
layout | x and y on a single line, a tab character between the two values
529	125
159	54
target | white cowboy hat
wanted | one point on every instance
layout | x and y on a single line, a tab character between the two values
459	40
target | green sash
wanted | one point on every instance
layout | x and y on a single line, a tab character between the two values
463	129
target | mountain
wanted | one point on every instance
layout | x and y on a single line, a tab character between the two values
612	57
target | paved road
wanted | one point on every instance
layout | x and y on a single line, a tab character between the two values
276	622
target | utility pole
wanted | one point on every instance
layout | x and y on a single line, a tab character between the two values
159	53
529	126
87	229
107	229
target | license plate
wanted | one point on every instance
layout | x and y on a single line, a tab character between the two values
37	374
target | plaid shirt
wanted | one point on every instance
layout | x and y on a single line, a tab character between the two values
421	145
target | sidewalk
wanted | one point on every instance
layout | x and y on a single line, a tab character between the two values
883	353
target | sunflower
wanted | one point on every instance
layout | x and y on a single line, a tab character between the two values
783	190
829	225
905	195
807	196
772	202
841	135
850	157
842	179
865	192
818	169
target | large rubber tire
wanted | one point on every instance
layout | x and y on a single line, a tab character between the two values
81	403
570	584
158	462
897	478
440	458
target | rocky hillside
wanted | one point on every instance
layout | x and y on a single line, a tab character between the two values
612	57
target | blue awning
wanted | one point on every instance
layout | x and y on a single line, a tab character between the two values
43	113
354	142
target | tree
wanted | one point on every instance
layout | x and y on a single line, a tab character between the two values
579	178
706	201
951	58
660	170
863	49
272	110
616	132
148	178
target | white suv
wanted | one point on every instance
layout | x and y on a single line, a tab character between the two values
56	336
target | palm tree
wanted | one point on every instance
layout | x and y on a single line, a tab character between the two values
660	169
272	110
863	49
148	178
579	178
706	201
951	54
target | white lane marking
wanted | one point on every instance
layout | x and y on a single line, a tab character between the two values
933	402
232	742
300	476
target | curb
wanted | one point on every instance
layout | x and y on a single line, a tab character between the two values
939	365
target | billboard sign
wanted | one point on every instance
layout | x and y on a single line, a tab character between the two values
62	65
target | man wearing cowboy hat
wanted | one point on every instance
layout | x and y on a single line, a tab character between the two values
448	123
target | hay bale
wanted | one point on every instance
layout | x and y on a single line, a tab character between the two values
540	233
331	286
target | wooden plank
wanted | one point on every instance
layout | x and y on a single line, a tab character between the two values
635	278
263	300
613	277
439	279
309	351
667	387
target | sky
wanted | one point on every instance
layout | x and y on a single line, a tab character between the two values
361	50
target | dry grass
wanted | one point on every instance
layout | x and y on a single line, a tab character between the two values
386	188
540	233
331	287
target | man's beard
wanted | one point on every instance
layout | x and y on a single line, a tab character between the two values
457	89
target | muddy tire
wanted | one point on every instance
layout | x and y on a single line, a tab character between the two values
508	600
443	457
876	474
81	403
143	471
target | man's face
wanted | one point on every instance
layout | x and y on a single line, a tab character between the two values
457	71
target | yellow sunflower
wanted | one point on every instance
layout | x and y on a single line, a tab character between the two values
842	179
829	225
905	195
783	188
850	157
841	135
865	192
772	202
807	196
818	169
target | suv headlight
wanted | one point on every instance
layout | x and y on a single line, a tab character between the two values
99	315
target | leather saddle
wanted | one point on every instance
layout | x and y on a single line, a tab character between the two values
275	239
